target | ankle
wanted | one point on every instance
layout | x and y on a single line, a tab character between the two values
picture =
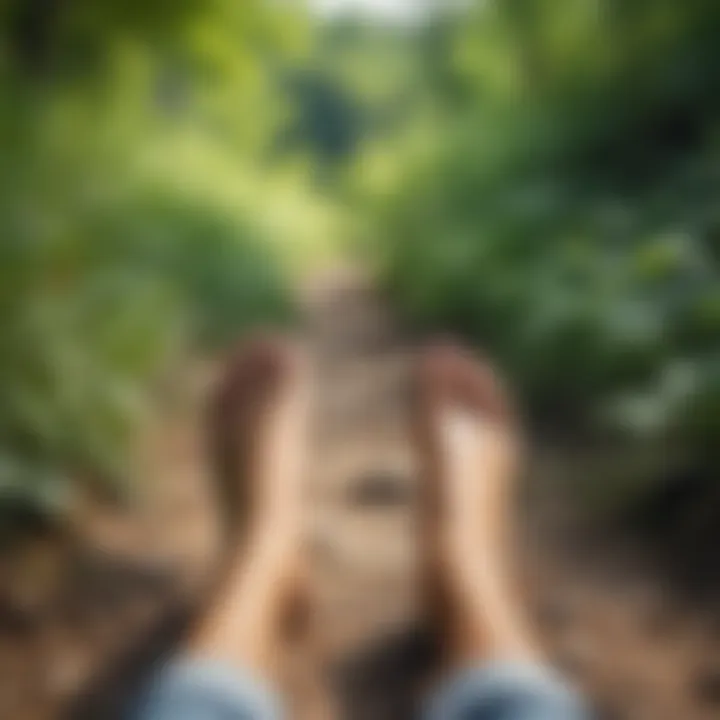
244	621
489	619
486	615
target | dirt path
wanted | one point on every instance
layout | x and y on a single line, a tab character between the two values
364	485
67	609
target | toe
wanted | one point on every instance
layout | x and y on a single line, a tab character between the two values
452	375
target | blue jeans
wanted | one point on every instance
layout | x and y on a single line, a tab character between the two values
192	689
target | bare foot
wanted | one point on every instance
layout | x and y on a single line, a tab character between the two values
258	424
469	450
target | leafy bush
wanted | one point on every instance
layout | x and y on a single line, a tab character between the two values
568	219
107	271
92	309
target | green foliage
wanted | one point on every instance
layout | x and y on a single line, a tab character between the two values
565	217
94	301
110	270
224	269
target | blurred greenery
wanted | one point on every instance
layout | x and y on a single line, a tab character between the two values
539	177
129	236
558	206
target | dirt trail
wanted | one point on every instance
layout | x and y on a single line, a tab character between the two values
364	489
69	608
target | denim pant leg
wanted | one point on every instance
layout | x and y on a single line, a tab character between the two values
505	691
197	689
